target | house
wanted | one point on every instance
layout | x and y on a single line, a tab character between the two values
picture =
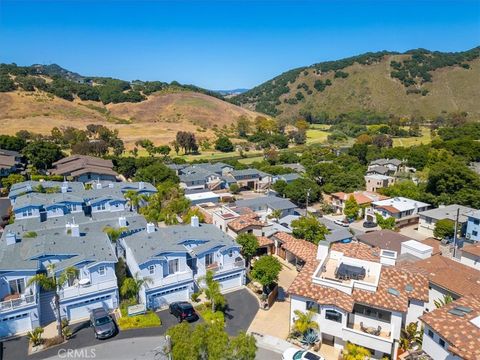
446	277
288	178
387	240
357	299
84	168
9	162
252	179
392	166
176	258
265	205
472	231
403	210
201	197
377	181
39	187
428	219
363	199
471	255
453	331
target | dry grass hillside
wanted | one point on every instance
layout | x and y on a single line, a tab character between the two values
158	118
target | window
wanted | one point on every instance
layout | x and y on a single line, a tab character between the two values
101	271
208	259
372	312
151	269
476	221
333	315
430	333
172	266
441	342
17	286
311	305
230	253
474	233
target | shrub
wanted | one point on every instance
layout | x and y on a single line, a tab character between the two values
35	336
57	340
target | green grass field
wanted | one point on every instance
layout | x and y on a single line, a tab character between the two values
316	135
411	141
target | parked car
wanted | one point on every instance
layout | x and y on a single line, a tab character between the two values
102	323
369	224
343	223
296	354
183	310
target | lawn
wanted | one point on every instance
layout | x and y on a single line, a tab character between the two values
411	141
149	319
317	135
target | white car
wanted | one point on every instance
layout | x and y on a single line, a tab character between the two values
343	223
300	354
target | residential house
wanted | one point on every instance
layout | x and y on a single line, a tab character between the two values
472	231
357	299
175	259
39	187
429	218
453	331
84	168
403	210
470	255
265	205
376	181
363	199
392	166
288	178
252	179
10	162
201	197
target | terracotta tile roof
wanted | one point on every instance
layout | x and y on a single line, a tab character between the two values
361	197
389	208
206	215
462	336
473	249
395	288
448	274
264	241
303	286
303	249
357	250
434	243
245	221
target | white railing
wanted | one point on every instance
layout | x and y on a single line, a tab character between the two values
13	304
380	343
216	268
80	290
170	279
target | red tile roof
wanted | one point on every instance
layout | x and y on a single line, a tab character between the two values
361	197
245	221
303	249
357	250
462	336
264	241
473	249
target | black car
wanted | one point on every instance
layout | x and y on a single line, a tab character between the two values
183	310
102	324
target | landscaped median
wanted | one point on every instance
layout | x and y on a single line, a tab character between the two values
146	320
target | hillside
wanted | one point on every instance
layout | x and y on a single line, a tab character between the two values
416	82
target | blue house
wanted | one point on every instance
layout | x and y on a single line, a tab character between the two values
473	226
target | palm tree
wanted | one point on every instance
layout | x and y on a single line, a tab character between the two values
114	233
134	199
212	290
447	299
132	286
54	283
276	214
304	321
411	336
355	352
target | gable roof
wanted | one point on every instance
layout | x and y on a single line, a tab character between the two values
384	239
448	212
273	202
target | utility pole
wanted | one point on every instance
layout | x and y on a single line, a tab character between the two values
306	207
455	234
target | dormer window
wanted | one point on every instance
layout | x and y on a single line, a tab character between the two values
173	266
101	271
230	253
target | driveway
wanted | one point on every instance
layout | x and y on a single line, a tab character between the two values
242	307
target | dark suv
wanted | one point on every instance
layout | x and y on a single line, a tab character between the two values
102	324
183	310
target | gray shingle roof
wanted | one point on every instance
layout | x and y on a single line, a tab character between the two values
273	202
448	212
395	162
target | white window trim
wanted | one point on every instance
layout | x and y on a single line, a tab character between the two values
16	279
104	270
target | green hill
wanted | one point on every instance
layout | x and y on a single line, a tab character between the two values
417	82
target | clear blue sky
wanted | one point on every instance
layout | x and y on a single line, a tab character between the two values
223	44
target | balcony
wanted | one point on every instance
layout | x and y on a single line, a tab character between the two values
382	342
17	303
170	279
217	268
87	288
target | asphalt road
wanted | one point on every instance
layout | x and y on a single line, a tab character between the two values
242	307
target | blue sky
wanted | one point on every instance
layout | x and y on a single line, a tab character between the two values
223	44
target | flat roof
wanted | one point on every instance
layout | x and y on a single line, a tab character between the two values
417	245
202	196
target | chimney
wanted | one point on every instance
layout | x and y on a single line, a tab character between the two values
75	229
10	238
150	228
141	185
122	221
194	222
64	188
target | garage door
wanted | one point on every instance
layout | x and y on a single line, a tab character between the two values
164	298
15	324
230	282
82	310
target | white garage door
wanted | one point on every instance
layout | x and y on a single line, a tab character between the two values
82	310
164	298
231	281
12	325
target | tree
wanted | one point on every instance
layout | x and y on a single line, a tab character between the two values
266	270
234	188
50	282
444	228
212	290
41	154
447	299
300	188
279	186
166	204
132	285
309	228
191	212
134	199
304	321
249	244
242	347
385	223
12	179
411	336
156	173
243	126
187	141
355	352
276	214
351	208
382	141
114	233
147	145
8	142
224	144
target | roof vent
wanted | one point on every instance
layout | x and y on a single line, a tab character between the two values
150	228
194	222
10	238
75	229
409	287
393	291
122	221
